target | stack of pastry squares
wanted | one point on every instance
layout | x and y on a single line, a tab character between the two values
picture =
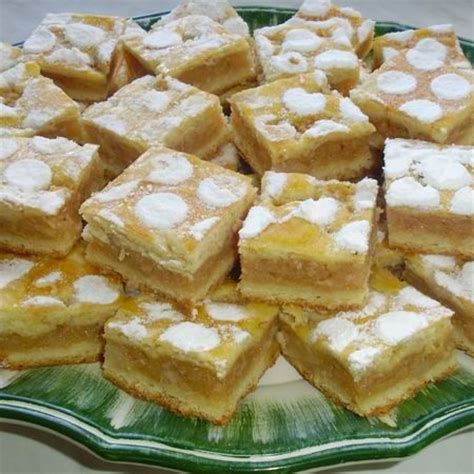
184	203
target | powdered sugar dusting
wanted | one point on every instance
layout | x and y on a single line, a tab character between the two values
303	103
336	59
170	169
117	192
7	148
450	87
201	228
161	210
28	174
353	236
462	202
410	193
338	332
42	300
257	220
13	269
273	184
41	41
291	63
191	337
427	55
396	326
83	35
423	110
226	311
396	82
220	191
301	40
94	289
322	128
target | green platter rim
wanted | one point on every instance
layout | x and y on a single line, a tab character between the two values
62	421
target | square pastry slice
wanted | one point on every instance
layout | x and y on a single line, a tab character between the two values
372	359
451	281
309	242
76	51
151	112
198	367
295	125
430	197
418	96
9	56
169	223
52	311
42	184
221	11
439	42
343	23
297	47
31	104
197	51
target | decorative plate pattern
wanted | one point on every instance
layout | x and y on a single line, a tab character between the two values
286	425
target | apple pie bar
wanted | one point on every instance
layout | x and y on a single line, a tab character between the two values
344	23
152	112
76	51
438	41
371	359
296	125
418	96
31	104
296	47
52	311
197	366
169	223
43	182
430	197
309	242
198	51
451	281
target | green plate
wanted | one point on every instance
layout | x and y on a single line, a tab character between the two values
285	425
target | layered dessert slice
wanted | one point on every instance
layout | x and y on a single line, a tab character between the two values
169	223
372	359
429	197
152	112
198	365
198	51
31	104
43	182
296	125
309	242
416	95
76	51
52	311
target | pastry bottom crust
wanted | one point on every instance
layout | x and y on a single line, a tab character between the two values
381	391
463	319
424	232
64	345
191	390
144	273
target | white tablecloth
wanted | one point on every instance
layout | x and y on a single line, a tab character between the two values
25	449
